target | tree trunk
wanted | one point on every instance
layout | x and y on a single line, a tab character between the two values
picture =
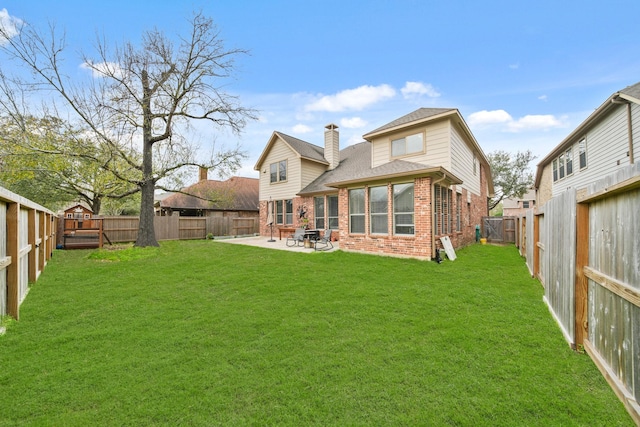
96	205
146	230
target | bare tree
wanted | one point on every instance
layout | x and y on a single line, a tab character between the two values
140	104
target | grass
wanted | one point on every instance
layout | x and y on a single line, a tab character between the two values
207	333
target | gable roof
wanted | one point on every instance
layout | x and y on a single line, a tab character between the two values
415	117
355	167
304	149
235	194
628	94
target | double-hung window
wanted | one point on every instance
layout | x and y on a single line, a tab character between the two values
442	210
555	170
403	209
582	153
279	212
332	212
378	210
408	145
278	171
561	165
356	211
569	161
318	212
288	211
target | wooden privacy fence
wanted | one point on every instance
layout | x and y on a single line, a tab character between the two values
174	227
585	250
27	236
499	229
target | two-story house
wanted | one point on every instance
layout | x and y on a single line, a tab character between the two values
412	181
605	142
519	206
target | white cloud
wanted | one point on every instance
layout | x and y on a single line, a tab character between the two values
542	97
103	68
352	99
535	122
529	122
514	66
9	25
485	117
300	128
411	89
353	123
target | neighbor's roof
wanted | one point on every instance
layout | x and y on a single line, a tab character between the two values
355	167
629	93
303	149
235	194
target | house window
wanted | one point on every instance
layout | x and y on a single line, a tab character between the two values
378	210
279	212
318	212
70	215
288	211
555	170
525	204
458	212
356	211
582	153
332	207
408	145
569	161
403	203
278	171
442	203
561	165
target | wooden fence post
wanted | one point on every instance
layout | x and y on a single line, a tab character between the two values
33	270
582	283
536	249
13	269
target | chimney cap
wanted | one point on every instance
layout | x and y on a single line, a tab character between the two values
331	126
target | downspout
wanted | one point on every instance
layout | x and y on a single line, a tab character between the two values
433	213
630	133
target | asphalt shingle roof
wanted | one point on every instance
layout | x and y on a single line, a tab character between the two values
235	194
414	116
633	90
304	148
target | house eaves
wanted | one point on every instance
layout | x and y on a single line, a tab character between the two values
628	94
377	176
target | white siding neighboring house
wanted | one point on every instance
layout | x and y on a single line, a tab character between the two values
608	140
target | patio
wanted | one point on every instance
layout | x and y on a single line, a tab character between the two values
263	242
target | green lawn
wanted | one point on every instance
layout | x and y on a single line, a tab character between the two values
208	333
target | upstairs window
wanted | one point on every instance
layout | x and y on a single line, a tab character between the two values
278	171
408	145
561	165
569	161
555	170
582	153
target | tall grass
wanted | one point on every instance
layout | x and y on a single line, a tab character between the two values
208	333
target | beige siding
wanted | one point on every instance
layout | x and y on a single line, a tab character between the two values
311	171
437	146
462	162
545	189
280	190
607	145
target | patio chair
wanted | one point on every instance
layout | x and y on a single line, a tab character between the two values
297	238
324	241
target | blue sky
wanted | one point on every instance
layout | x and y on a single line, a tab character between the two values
523	74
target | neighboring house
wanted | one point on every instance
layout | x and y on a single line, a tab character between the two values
605	142
235	197
518	207
412	181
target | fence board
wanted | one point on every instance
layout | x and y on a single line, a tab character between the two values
3	254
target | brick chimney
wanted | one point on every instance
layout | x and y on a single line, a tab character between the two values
332	145
203	174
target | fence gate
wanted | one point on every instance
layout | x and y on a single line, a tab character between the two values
500	229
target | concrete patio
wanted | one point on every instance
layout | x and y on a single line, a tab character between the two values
263	242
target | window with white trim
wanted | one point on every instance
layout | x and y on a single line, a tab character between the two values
356	211
318	212
288	216
378	210
569	161
582	153
332	212
403	209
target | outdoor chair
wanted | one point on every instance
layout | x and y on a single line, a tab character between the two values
324	242
297	238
